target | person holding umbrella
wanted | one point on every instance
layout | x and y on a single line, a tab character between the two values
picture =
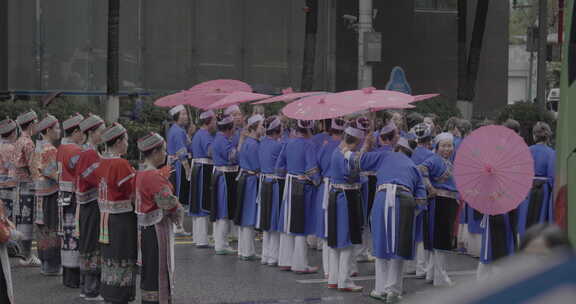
324	161
298	163
223	184
249	182
345	214
201	175
271	191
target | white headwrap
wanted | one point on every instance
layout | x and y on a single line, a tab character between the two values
355	132
301	125
177	109
231	110
334	125
391	126
207	114
274	124
442	137
255	119
225	120
403	142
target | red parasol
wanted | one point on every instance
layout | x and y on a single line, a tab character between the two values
288	95
493	170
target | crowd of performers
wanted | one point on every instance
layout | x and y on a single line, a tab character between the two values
352	187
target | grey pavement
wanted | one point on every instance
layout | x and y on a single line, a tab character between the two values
202	277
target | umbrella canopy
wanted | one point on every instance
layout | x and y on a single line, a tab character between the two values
424	97
220	86
288	95
234	98
493	170
316	108
370	98
172	100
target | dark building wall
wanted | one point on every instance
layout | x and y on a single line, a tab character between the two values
171	45
424	44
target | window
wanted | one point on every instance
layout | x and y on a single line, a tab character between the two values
439	5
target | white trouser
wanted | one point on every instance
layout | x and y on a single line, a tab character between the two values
234	229
300	254
221	228
381	273
474	243
340	262
389	276
325	257
410	266
270	245
486	271
430	266
441	277
395	277
312	241
286	250
200	230
246	246
422	259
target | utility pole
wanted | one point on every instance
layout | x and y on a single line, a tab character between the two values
310	45
364	26
3	50
112	103
542	53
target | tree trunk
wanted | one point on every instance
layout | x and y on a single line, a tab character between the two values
309	60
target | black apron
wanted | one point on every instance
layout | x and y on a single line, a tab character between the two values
535	204
355	216
240	188
298	208
266	198
406	232
498	236
184	195
205	204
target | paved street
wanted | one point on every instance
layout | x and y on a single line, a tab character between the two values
202	277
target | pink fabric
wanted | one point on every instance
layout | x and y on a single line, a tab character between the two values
369	98
418	98
316	108
204	94
493	170
288	95
234	98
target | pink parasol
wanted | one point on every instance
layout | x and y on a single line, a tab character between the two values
220	86
234	98
204	94
316	108
493	170
418	98
370	98
288	95
173	100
